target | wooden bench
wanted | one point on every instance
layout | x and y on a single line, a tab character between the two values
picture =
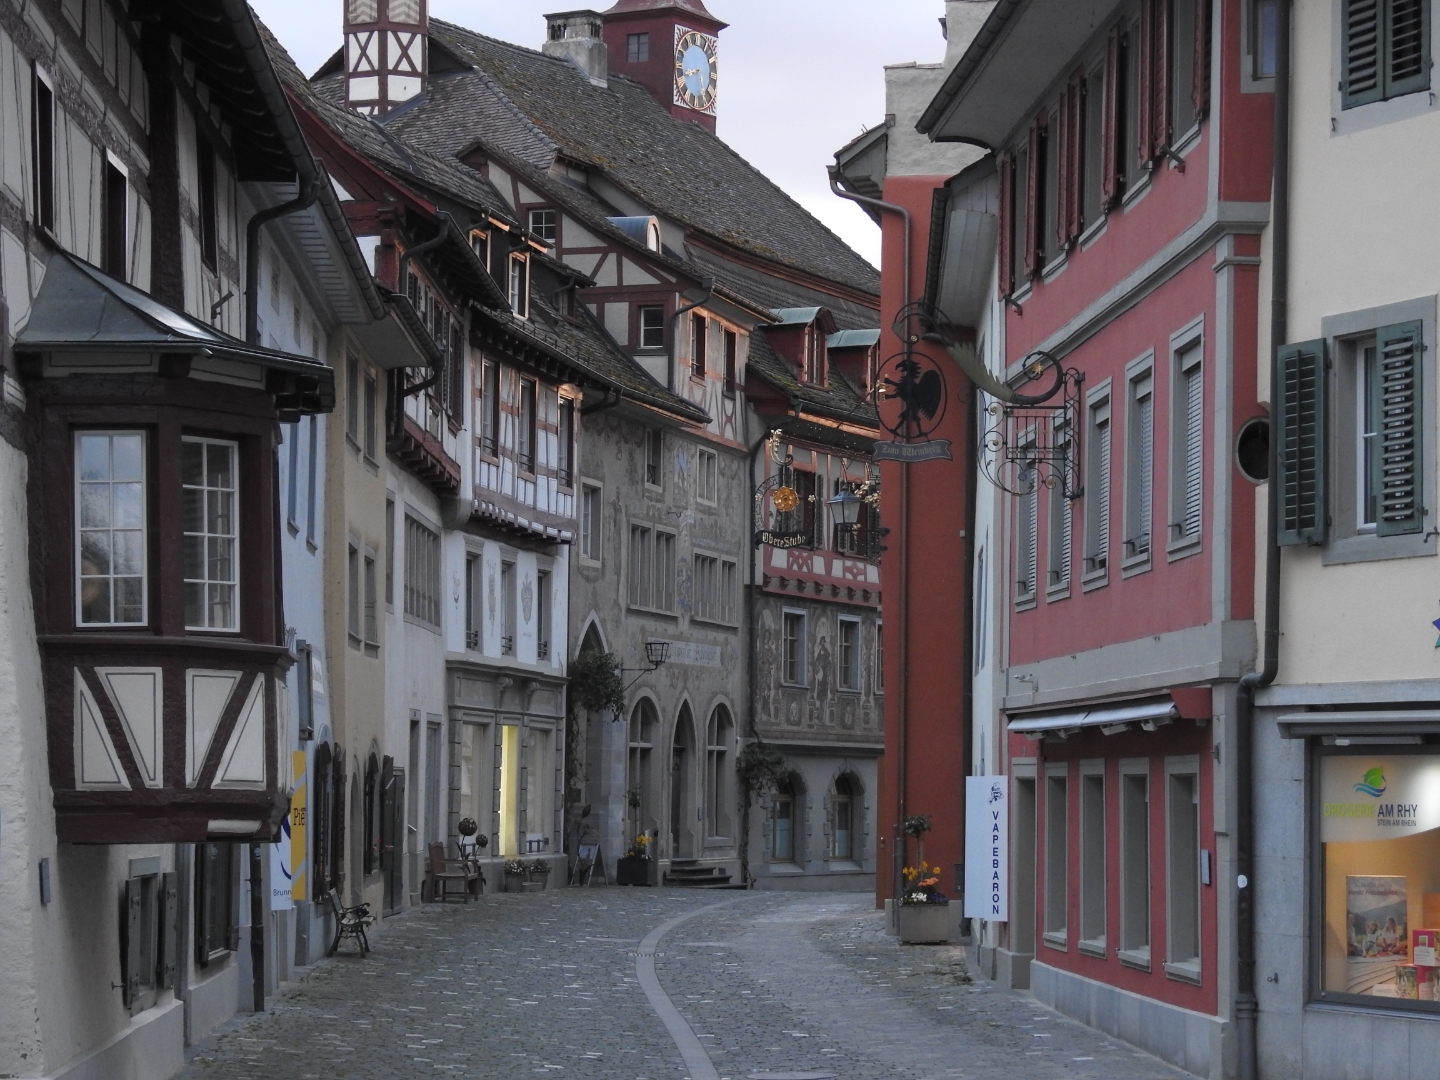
349	922
443	871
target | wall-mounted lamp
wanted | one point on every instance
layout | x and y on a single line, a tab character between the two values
656	654
845	508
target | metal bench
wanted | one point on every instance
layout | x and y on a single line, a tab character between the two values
349	922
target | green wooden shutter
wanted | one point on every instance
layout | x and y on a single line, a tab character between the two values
1362	52
1407	46
1300	431
1399	464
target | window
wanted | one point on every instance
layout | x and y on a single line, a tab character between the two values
1061	527
732	362
1134	114
1182	869
1139	464
354	612
729	591
111	512
1385	50
1020	264
637	48
1184	66
1027	509
782	823
715	584
879	658
719	784
842	815
1094	875
422	572
487	410
371	408
1093	195
590	522
526	432
1264	35
354	405
652	568
474	611
545	224
1375	892
312	490
1048	226
815	357
42	151
639	777
212	563
1057	854
565	444
390	552
707	476
217	901
480	244
793	649
372	619
543	619
808	517
208	202
148	934
1097	490
848	648
1187	427
654	451
291	435
507	609
699	333
1135	863
520	285
652	328
115	229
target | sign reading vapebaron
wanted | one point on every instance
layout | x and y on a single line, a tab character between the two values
987	848
1378	798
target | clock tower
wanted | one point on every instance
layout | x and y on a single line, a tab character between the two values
671	47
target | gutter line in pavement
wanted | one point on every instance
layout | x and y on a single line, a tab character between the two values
697	1061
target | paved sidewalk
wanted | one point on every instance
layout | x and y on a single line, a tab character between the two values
546	983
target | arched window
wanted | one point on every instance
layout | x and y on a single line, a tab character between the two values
372	815
639	783
720	732
842	817
786	825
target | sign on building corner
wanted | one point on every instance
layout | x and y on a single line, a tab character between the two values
987	848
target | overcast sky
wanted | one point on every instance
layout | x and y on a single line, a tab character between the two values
799	78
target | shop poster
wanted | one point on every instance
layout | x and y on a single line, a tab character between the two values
1379	937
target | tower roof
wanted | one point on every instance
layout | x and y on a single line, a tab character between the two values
694	7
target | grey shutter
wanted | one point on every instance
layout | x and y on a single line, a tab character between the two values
1194	447
1407	46
1067	529
134	934
1102	498
1300	441
1025	582
231	884
1146	480
169	929
1362	48
1399	469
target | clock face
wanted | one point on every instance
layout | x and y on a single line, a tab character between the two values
696	72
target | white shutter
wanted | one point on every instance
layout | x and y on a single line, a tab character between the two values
1145	482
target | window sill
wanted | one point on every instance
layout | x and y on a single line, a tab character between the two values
1186	143
372	651
697	377
293	528
653	611
413	621
844	866
1096	230
1054	266
1094	948
355	642
371	465
1176	550
1053	940
718	624
1189	971
585	560
1025	602
351	443
794	685
1057	592
1136	192
1095	579
1135	564
1371	548
1134	958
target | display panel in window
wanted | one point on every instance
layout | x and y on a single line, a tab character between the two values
1379	851
111	540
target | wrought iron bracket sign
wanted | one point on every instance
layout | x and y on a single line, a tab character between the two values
1031	444
778	489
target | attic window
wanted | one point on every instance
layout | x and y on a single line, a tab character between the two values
545	224
480	244
637	48
652	237
520	285
814	357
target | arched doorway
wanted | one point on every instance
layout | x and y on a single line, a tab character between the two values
639	773
682	787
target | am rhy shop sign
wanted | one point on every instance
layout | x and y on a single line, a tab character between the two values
1378	798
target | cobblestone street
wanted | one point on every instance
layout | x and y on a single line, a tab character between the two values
764	984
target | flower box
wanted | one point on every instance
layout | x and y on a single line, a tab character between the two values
923	924
632	871
514	883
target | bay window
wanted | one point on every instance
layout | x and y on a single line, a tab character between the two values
110	493
212	569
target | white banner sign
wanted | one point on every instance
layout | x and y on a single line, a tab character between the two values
1378	798
987	848
280	881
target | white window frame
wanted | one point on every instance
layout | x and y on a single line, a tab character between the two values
1055	905
1187	356
802	668
1099	462
519	297
1183	969
1130	952
659	328
553	224
1094	858
655	438
234	583
144	530
1139	509
1059	536
707	462
852	668
592	532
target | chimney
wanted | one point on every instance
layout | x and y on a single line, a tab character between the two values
579	36
386	53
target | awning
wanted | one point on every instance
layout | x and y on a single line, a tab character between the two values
81	309
1112	720
1360	723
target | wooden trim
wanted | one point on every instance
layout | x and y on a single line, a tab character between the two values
114	728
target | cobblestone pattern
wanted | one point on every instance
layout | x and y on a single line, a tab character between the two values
545	983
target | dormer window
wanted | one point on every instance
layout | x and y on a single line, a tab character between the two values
652	236
814	357
520	285
480	244
545	224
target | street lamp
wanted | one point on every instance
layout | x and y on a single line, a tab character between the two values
656	654
845	508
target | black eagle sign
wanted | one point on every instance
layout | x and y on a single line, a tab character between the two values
918	384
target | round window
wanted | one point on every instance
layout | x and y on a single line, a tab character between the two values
1252	449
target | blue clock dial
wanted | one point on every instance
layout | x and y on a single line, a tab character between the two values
696	70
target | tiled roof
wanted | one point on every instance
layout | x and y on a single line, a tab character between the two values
677	169
775	293
838	401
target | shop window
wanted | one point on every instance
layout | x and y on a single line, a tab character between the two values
217	901
112	540
783	822
1135	863
1093	873
639	777
476	776
538	783
1022	832
1378	840
509	844
1057	854
1182	869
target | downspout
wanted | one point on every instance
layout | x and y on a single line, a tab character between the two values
1245	1005
967	672
898	854
752	600
709	287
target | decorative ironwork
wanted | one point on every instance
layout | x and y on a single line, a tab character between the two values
790	504
1028	445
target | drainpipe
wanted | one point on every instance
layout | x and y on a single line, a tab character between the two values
1245	1005
898	854
709	286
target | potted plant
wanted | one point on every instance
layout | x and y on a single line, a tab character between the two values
537	873
514	875
637	866
924	916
